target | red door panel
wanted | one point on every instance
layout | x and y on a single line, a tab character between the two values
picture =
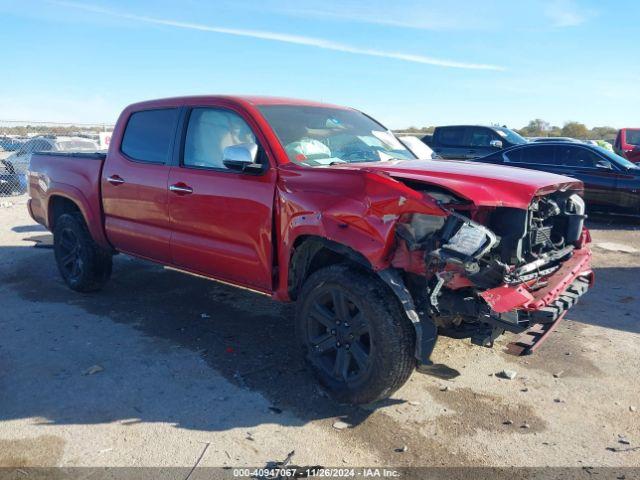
135	211
222	227
134	182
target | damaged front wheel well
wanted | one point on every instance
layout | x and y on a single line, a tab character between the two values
311	253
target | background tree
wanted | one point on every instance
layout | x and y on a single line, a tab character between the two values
575	130
536	128
541	128
603	133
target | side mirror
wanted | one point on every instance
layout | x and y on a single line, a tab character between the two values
242	157
604	164
495	143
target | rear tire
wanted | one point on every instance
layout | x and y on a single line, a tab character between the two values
84	266
355	335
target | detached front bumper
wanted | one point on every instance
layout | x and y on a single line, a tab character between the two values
518	309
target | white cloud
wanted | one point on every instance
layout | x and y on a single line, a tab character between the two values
567	13
415	14
285	38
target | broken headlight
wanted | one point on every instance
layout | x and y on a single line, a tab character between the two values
468	238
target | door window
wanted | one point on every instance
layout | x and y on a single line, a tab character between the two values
538	154
209	132
577	157
149	134
513	156
452	136
481	137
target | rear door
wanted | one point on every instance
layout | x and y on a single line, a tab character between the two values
450	142
536	157
134	185
221	218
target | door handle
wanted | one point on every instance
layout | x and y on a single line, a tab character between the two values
115	180
180	189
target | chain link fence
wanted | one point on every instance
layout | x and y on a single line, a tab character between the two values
20	139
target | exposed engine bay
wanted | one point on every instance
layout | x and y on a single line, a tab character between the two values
456	264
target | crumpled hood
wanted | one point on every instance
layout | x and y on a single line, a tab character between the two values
481	183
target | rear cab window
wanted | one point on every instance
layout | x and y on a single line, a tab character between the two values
149	135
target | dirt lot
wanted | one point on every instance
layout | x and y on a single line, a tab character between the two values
196	372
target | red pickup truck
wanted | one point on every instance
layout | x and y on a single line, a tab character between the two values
322	205
627	144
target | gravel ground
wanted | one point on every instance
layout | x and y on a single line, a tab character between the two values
188	371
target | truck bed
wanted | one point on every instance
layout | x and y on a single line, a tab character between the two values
54	176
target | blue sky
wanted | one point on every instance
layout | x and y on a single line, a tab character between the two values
406	62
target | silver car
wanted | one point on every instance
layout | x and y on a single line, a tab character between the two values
14	168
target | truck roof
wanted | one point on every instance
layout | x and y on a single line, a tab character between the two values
254	100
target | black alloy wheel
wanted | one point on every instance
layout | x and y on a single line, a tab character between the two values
339	335
70	255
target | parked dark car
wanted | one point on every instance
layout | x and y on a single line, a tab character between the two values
611	182
553	139
10	183
471	141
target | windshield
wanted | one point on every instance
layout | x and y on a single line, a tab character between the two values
511	136
615	158
323	136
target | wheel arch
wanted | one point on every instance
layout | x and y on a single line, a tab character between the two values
59	205
311	253
69	200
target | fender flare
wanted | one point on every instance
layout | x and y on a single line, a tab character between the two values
426	329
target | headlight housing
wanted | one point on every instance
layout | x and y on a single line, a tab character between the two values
467	237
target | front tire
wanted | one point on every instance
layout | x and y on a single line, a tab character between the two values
84	266
355	335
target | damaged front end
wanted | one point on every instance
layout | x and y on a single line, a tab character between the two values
481	271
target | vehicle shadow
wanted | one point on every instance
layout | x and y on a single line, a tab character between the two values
245	337
28	228
610	221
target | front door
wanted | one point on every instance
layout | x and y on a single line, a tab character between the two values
134	185
479	140
599	183
221	218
